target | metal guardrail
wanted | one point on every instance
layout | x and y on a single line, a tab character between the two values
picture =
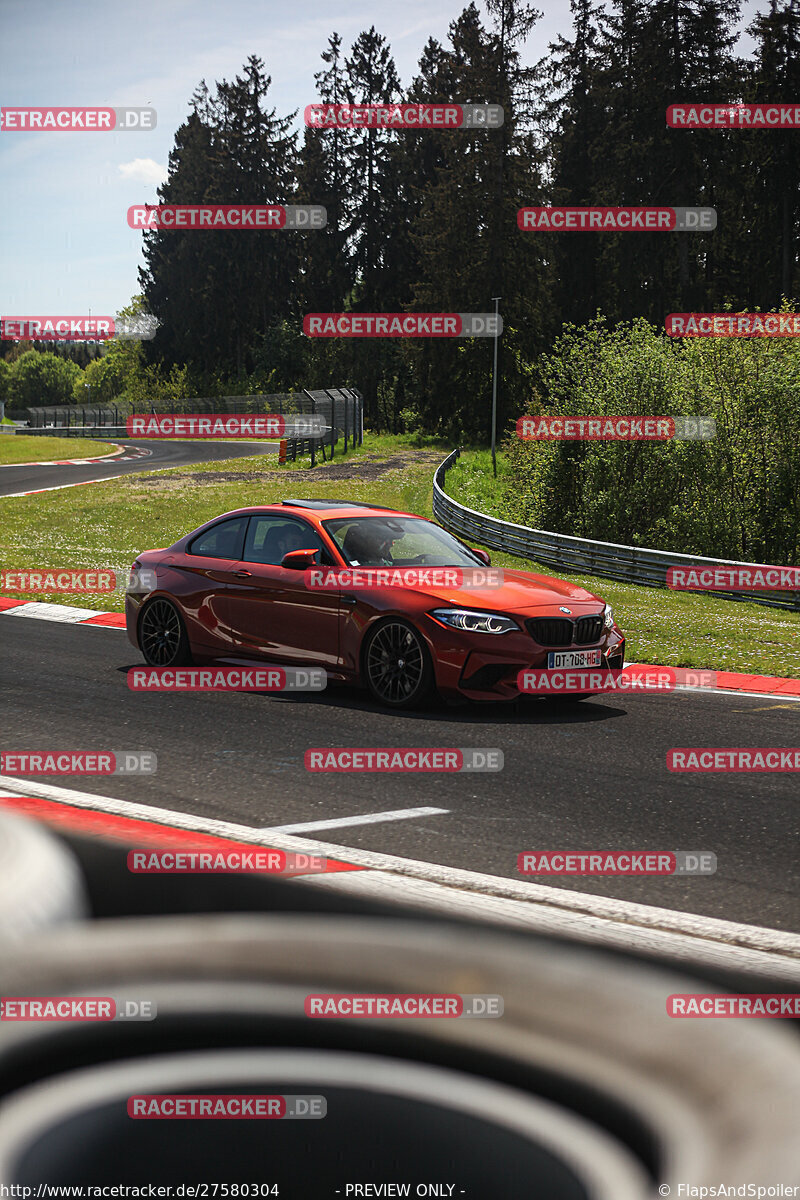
629	564
341	408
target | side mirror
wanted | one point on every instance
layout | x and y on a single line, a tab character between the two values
298	560
483	556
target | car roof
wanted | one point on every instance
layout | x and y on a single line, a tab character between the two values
320	508
324	504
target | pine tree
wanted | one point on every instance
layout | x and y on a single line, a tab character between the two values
775	76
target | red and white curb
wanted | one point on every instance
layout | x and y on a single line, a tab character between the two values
449	891
130	824
733	682
66	614
737	682
71	462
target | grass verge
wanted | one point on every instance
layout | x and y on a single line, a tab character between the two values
24	448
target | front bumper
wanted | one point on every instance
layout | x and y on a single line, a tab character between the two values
480	666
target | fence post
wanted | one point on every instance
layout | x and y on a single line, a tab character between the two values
312	440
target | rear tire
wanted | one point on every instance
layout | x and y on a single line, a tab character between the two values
162	635
396	665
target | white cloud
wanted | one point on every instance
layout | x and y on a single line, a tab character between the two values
143	170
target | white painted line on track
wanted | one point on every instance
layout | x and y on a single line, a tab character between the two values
68	614
735	693
594	919
398	814
59	487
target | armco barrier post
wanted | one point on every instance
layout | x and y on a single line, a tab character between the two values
312	441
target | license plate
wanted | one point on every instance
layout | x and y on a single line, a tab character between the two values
573	658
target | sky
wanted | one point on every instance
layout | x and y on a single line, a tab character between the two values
65	246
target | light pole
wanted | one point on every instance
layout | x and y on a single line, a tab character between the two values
494	385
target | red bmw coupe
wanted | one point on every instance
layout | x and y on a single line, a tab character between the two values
376	597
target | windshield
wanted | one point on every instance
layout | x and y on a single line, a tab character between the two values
397	541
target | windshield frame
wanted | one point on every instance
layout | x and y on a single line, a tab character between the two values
470	559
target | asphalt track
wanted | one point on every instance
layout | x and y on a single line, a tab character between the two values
144	455
587	777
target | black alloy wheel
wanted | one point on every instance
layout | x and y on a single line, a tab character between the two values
397	666
162	635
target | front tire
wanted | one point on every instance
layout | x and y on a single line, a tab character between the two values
163	640
397	667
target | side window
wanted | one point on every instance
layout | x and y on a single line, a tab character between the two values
221	541
270	537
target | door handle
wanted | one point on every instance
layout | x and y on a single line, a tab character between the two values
242	574
349	599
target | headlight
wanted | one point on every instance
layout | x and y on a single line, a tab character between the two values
608	616
474	622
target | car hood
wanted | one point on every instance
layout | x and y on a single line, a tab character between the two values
519	590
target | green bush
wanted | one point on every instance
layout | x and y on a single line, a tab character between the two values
40	378
737	496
